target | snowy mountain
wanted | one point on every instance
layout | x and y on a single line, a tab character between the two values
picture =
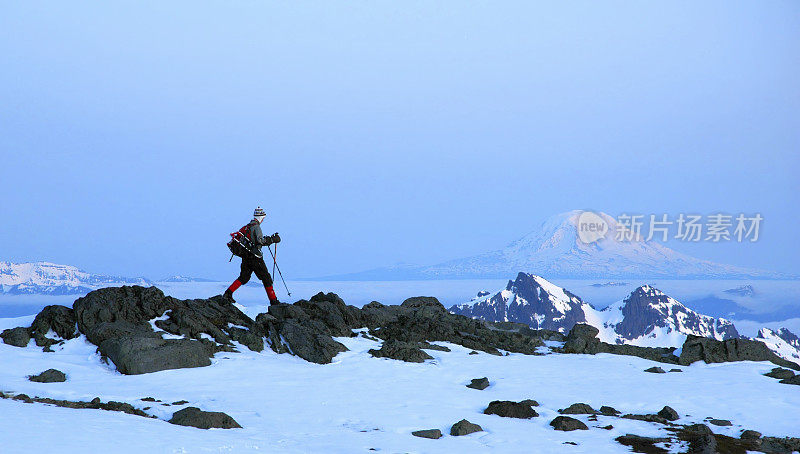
556	250
53	279
531	300
647	317
783	342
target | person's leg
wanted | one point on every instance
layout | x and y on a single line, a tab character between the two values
260	268
244	276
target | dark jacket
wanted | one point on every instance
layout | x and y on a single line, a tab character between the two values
257	237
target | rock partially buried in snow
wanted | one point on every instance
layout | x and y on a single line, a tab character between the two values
566	424
791	381
17	337
720	422
510	409
780	373
750	435
464	427
668	413
479	383
608	411
403	351
194	417
49	376
655	370
428	433
578	409
141	355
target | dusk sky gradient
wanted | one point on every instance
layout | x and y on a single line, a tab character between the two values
134	136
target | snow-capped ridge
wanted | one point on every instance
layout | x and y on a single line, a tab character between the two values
55	279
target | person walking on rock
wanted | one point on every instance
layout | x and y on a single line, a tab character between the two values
247	244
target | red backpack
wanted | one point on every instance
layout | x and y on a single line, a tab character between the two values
240	243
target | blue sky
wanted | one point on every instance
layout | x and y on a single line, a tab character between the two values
135	135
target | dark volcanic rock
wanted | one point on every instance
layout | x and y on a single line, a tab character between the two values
780	373
60	319
141	355
720	422
578	409
668	413
582	338
310	342
479	383
643	444
608	411
791	381
566	424
464	427
49	376
510	409
404	351
750	435
655	370
18	337
194	417
428	433
714	351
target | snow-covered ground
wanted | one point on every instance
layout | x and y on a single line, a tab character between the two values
358	402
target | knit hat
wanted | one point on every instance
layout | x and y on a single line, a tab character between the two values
259	213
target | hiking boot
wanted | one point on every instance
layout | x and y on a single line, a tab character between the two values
229	295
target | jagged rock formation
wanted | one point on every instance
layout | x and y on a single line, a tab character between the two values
531	300
647	317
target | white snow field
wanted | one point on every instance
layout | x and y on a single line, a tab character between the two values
358	402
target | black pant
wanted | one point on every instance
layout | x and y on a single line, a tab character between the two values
256	265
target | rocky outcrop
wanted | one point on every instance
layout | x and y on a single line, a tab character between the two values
714	351
142	355
578	409
194	417
403	351
49	376
582	338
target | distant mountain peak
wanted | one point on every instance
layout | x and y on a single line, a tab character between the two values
556	250
55	279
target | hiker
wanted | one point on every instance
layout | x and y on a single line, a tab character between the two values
246	243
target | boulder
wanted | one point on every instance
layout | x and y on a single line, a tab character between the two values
713	351
780	373
141	355
750	435
566	424
720	422
428	433
309	341
479	383
464	427
18	337
60	319
194	417
510	409
49	376
582	338
608	411
578	409
403	351
668	413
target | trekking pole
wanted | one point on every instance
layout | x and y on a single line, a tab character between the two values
275	259
275	262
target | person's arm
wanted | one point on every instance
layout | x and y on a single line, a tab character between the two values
259	238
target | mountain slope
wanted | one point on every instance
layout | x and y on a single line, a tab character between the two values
53	279
782	341
556	250
647	317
